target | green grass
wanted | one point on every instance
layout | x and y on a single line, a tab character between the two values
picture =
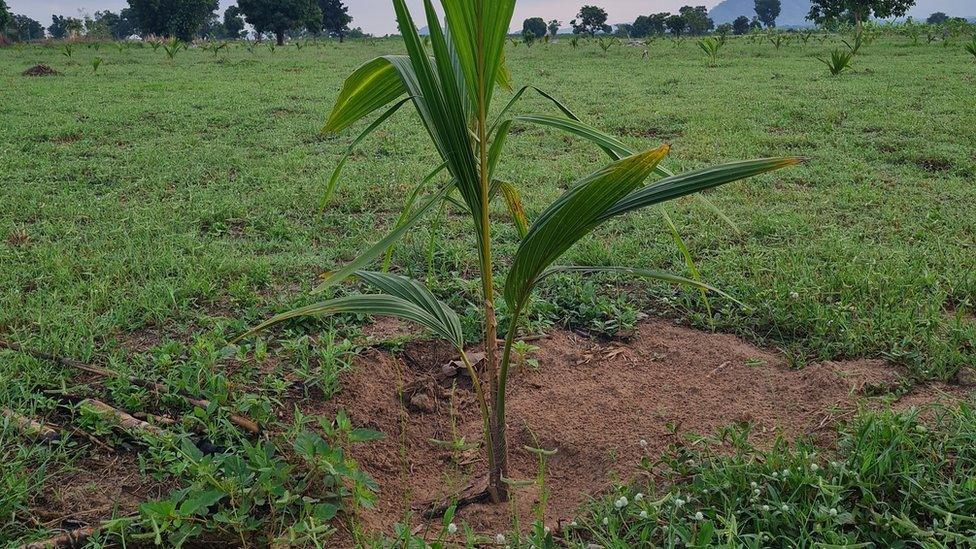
154	208
884	487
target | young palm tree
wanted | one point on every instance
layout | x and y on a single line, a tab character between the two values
452	90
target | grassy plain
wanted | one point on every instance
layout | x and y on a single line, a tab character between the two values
153	208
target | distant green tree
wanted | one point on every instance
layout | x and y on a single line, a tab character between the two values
64	27
233	23
179	18
937	18
696	18
591	20
280	16
724	29
536	26
118	25
6	20
212	28
826	12
676	24
740	25
335	18
767	11
99	27
624	30
25	29
553	27
647	25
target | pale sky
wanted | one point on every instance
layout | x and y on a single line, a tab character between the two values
376	16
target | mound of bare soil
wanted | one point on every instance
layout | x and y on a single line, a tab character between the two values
593	402
40	70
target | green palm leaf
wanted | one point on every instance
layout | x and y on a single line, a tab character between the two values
684	184
572	216
402	298
373	86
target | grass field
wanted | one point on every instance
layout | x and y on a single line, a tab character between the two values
154	208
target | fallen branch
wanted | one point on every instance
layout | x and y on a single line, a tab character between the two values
29	427
239	421
120	417
69	539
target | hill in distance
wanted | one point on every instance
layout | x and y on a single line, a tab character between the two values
793	13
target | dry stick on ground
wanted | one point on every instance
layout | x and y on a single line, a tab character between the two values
122	418
71	538
30	427
239	421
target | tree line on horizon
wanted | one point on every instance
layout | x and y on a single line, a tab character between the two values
694	20
190	19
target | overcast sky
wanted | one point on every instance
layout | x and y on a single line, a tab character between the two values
376	16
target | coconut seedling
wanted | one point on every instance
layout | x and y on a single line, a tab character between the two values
453	88
68	50
711	47
172	48
971	48
607	43
838	62
95	63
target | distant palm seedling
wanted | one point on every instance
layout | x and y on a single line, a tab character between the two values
711	47
971	48
838	62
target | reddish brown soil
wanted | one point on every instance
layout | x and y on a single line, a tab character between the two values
97	488
40	70
593	402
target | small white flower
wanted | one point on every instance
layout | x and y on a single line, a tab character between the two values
643	514
794	295
765	508
785	508
786	473
833	512
754	485
699	516
452	528
606	521
643	444
638	497
546	530
573	524
814	467
679	502
500	539
775	474
834	464
621	503
756	491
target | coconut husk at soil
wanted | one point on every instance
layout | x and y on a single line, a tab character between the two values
40	70
593	402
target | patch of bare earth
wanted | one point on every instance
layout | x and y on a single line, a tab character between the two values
592	402
40	70
98	487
